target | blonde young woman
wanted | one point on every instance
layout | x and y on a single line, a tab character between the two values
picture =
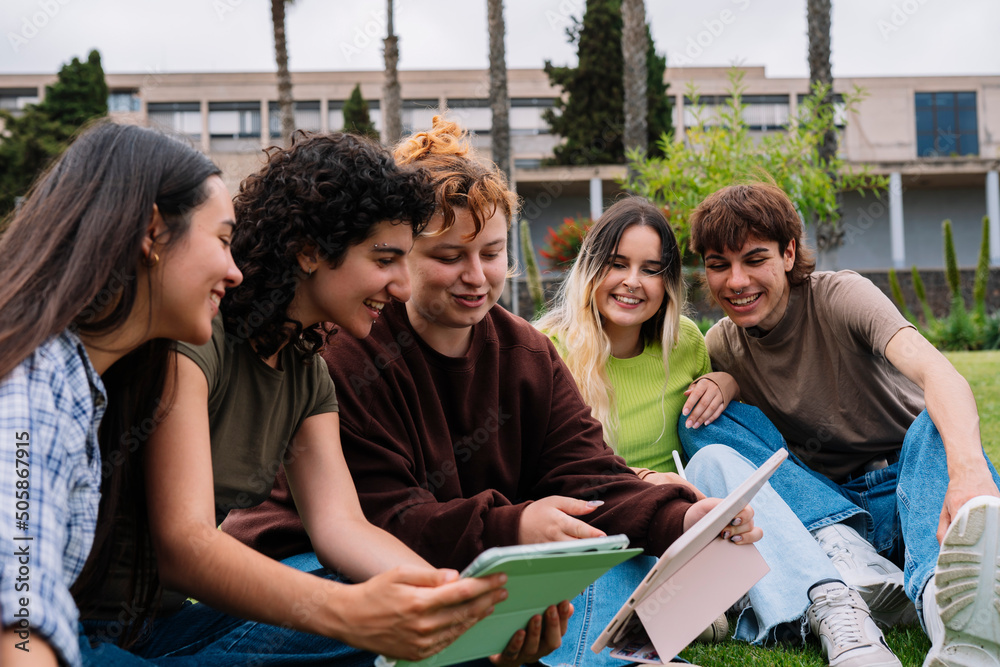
645	370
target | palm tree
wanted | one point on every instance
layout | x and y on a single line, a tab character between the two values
820	72
500	123
393	117
286	105
634	45
499	101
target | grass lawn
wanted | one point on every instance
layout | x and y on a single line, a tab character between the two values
982	370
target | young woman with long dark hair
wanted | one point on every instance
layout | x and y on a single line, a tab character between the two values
120	246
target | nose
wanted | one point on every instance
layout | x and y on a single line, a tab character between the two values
399	288
233	275
473	273
738	278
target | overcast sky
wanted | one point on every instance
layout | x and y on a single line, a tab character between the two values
870	37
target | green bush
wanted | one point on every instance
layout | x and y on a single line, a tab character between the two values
960	329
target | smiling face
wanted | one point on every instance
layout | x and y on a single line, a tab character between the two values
632	289
353	294
750	283
456	280
193	274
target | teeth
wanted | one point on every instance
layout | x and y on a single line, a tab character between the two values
745	300
627	299
214	298
375	305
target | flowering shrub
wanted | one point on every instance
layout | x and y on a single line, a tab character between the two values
563	244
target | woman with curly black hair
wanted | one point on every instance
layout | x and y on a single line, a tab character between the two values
321	235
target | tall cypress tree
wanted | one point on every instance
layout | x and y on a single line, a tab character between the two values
592	118
356	117
43	130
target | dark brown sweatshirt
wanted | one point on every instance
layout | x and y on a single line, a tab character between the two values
446	452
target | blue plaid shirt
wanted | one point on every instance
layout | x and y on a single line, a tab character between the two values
50	407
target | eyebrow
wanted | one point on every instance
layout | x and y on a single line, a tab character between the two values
392	250
645	261
460	246
748	253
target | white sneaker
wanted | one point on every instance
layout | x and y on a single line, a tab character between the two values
877	579
962	601
841	620
717	632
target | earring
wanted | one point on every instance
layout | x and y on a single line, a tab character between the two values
152	259
310	272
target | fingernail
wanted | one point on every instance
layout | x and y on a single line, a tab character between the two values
685	412
726	534
687	423
737	538
737	521
594	503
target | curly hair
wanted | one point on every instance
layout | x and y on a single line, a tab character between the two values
460	180
328	192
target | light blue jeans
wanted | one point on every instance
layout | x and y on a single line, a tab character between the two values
200	635
896	508
795	559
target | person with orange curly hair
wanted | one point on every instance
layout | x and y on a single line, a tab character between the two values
463	428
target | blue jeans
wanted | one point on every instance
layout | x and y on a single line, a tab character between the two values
200	635
593	610
896	508
795	558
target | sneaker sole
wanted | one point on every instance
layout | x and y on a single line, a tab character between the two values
968	563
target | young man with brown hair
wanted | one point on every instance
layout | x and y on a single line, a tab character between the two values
888	465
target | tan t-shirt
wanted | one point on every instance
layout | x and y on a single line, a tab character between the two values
821	375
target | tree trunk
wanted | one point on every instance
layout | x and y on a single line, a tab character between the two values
828	236
499	101
286	105
392	116
634	46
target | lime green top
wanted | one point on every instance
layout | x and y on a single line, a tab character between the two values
647	416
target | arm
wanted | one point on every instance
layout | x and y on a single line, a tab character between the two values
39	655
319	480
952	407
407	612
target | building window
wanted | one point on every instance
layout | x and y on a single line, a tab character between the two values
946	124
306	117
124	100
474	114
760	112
15	100
418	115
182	117
234	120
526	115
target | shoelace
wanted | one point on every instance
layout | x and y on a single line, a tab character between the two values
837	609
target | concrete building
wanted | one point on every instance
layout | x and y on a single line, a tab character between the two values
937	138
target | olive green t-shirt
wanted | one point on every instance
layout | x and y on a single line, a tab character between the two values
254	411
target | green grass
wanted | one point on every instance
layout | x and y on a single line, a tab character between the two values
982	370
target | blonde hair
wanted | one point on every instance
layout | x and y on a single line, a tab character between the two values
575	321
460	179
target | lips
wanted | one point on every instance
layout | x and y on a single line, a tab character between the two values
470	300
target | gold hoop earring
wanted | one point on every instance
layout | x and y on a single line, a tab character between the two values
152	259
